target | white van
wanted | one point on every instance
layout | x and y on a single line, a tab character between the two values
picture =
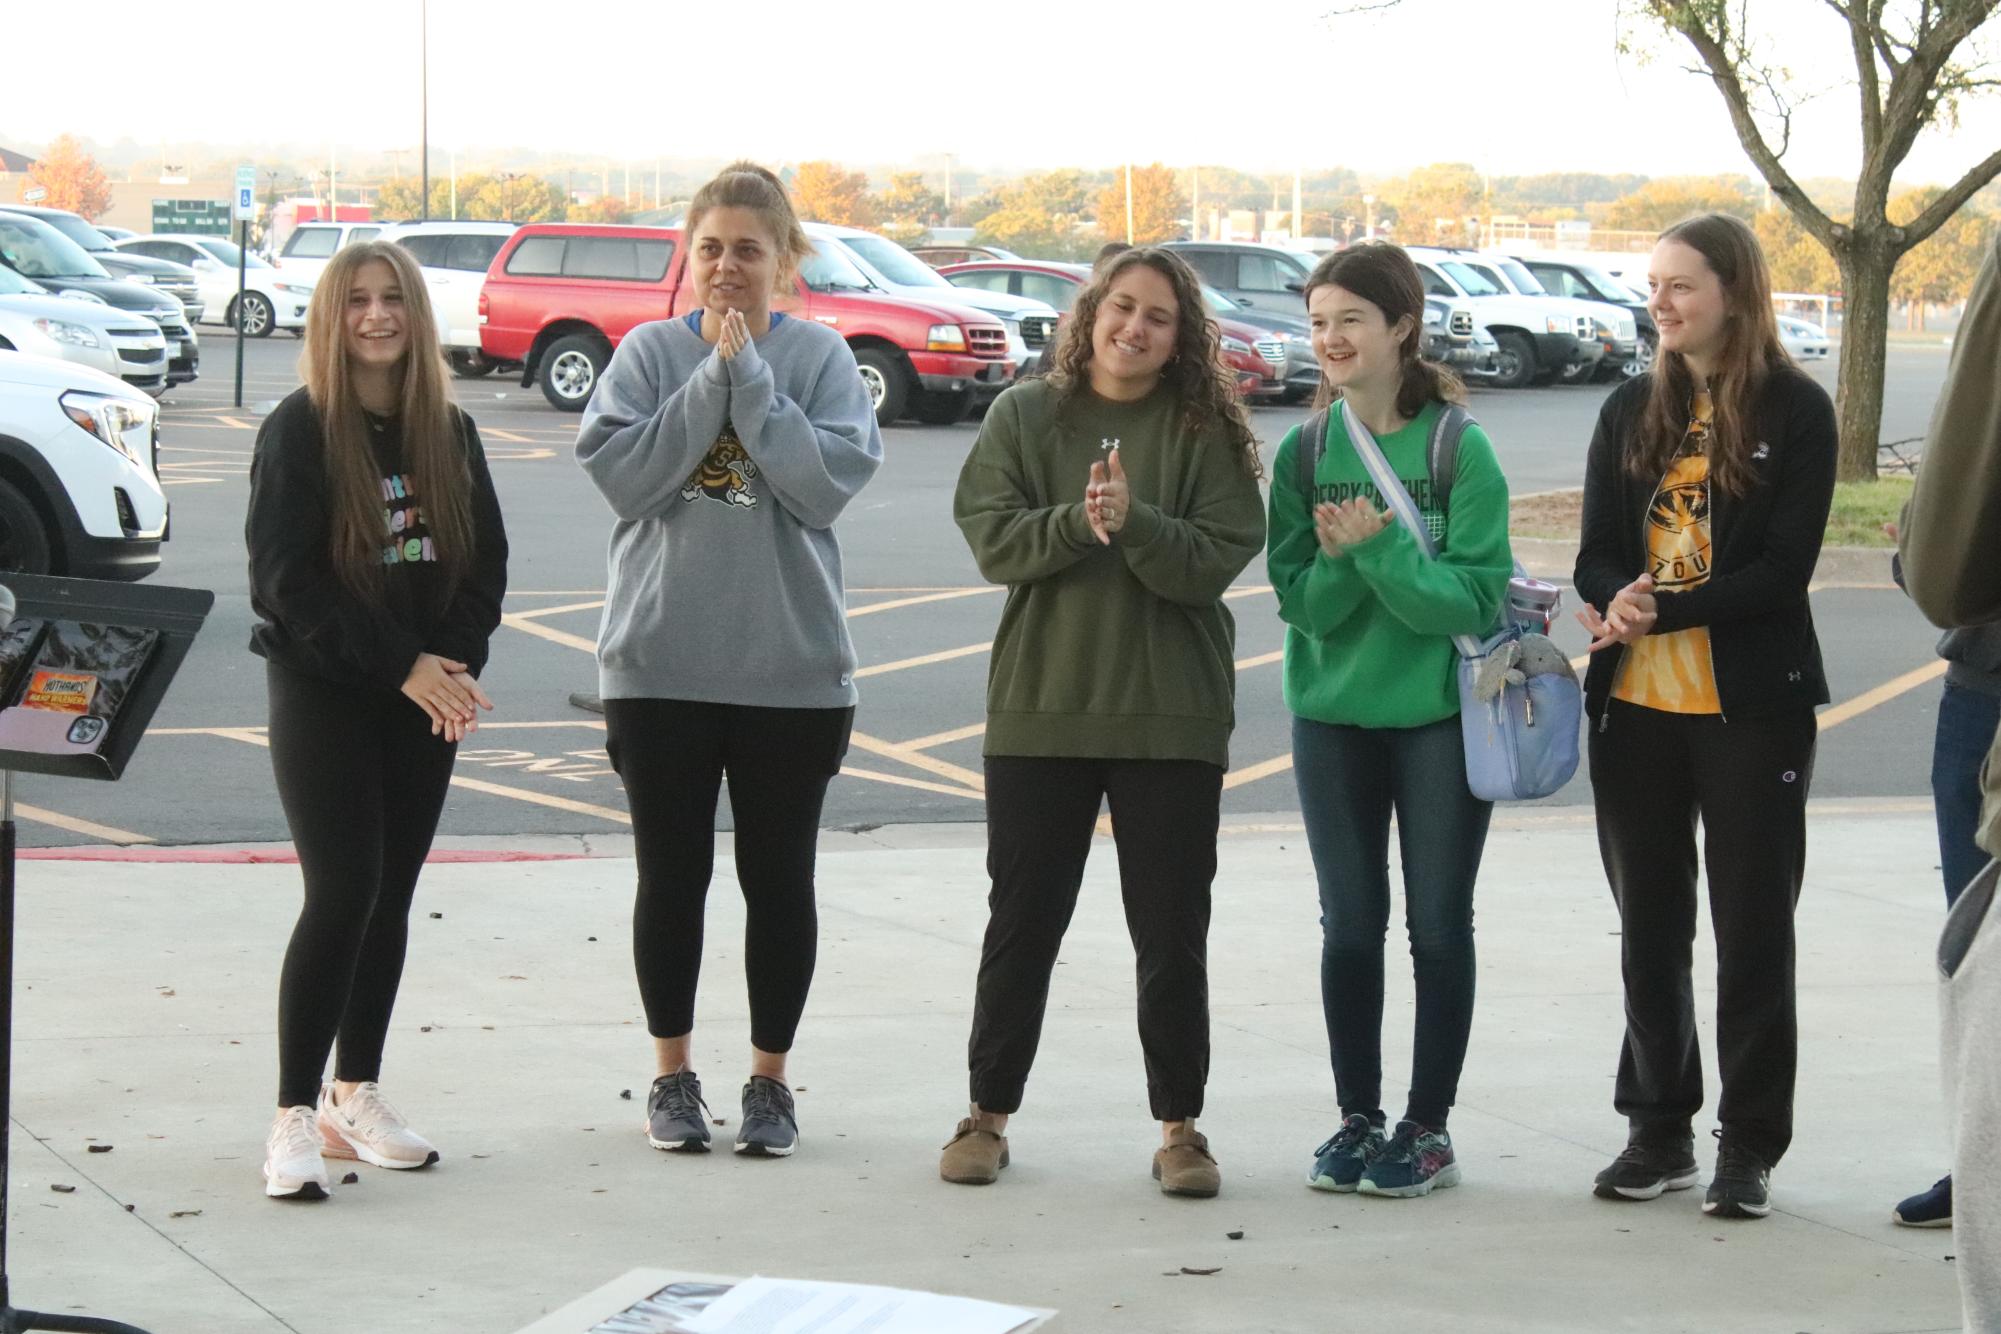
312	244
454	257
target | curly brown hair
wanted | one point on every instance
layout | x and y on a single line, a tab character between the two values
1206	387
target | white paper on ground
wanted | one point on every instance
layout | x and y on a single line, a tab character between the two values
796	1306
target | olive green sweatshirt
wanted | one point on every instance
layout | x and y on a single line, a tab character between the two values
1123	651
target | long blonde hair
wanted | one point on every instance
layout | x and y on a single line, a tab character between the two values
434	450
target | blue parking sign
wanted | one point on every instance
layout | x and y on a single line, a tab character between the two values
246	193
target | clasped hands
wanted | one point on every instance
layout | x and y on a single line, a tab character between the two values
1347	524
1629	617
1107	500
733	336
446	691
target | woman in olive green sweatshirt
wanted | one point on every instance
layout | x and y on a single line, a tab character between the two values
1370	677
1116	499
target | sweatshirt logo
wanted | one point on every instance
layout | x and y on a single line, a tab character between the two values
407	538
1108	444
724	475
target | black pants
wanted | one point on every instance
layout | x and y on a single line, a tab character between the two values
1652	774
363	782
672	755
1040	818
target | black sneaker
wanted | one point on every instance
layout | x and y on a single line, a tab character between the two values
1643	1171
1339	1163
769	1124
1928	1208
1742	1186
676	1116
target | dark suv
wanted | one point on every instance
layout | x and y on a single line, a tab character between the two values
1588	282
176	280
36	250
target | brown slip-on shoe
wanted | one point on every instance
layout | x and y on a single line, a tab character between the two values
1184	1166
976	1153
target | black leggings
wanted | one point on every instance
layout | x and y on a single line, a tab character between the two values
671	755
363	782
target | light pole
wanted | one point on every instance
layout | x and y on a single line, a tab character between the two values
424	116
1129	203
1369	224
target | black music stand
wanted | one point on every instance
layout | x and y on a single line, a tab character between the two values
83	664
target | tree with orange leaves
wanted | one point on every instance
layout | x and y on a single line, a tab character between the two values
70	178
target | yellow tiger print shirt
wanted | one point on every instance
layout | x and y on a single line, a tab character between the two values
1674	672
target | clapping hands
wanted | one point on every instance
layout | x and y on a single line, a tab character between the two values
1107	500
1629	617
733	336
1348	523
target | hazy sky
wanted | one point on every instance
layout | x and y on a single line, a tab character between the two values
1512	86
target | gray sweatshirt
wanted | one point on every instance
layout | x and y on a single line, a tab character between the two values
726	477
1969	965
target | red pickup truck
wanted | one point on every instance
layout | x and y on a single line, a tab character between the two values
560	296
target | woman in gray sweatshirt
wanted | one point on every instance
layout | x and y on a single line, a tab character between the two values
728	441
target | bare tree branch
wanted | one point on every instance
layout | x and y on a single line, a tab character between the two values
1949	203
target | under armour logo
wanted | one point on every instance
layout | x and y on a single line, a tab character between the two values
1788	776
1108	444
1763	451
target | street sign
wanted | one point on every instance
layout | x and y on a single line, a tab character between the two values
34	194
246	193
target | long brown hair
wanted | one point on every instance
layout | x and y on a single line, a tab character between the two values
1207	388
1751	352
434	451
746	185
1384	276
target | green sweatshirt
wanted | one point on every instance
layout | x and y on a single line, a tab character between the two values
1123	651
1951	535
1369	631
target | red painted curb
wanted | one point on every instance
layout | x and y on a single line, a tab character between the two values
256	857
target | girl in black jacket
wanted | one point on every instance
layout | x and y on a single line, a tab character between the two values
1705	501
377	566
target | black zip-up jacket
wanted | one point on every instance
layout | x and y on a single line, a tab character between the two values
309	619
1763	548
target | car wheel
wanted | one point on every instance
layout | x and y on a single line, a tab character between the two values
24	539
942	407
1514	365
1642	359
471	365
887	383
1577	372
252	316
570	370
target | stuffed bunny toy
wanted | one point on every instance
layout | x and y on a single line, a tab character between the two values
1515	661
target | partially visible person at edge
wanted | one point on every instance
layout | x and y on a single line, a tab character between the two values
1371	678
1969	715
377	566
1705	500
1117	499
728	441
1951	549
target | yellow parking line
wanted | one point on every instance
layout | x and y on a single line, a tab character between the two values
495	433
558	611
946	738
519	622
79	826
1263	659
237	423
182	449
555	592
1251	592
918	760
1278	764
914	601
534	798
188	481
1882	694
898	780
903	664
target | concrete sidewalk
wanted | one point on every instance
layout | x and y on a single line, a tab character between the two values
144	1020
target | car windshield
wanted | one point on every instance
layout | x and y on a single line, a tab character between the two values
1604	284
828	269
892	262
1469	278
13	284
43	252
1525	282
76	229
227	253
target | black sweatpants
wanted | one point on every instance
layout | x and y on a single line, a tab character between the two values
672	755
1652	775
1040	817
363	782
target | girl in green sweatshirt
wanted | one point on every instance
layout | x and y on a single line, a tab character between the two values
1116	499
1370	678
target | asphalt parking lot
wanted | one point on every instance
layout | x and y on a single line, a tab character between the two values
922	622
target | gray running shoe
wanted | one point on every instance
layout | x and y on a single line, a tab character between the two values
769	1123
676	1116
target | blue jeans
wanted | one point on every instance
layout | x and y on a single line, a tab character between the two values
1967	722
1350	780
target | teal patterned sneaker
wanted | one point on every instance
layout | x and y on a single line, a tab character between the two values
1338	1164
1416	1161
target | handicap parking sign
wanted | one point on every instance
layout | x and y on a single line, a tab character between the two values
246	193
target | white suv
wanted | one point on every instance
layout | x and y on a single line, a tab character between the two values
79	482
312	244
1537	337
454	257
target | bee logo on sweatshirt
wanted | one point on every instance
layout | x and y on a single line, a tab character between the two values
724	474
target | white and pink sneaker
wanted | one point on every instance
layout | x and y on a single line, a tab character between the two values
293	1168
365	1126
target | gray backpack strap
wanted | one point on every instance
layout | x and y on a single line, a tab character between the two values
1442	456
1312	448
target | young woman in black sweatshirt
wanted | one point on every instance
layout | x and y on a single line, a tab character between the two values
377	566
1705	499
